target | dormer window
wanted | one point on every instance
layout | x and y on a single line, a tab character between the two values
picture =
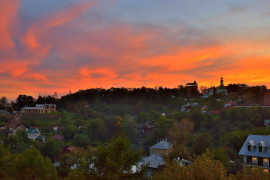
249	147
260	148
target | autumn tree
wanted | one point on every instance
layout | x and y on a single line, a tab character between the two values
180	132
205	167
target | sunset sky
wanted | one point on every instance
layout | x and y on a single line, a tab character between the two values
68	45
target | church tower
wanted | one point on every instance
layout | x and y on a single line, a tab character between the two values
221	81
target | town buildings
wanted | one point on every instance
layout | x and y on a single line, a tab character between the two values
39	109
256	151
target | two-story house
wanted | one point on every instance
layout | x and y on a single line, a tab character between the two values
161	148
256	151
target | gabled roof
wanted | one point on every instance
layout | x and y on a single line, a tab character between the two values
153	161
59	137
161	145
256	140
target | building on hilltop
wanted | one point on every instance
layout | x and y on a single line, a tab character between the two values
266	98
256	151
192	89
39	109
221	88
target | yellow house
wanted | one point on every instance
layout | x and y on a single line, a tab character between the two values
39	109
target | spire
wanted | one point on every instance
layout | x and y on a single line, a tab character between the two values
221	81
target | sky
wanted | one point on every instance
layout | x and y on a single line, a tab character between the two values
67	45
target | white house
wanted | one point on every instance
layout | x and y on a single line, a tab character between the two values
256	151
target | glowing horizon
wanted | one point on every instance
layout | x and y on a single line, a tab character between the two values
65	45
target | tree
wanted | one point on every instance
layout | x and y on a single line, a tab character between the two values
3	102
69	132
7	163
31	165
24	100
81	140
96	129
51	149
202	143
205	167
114	160
180	132
129	127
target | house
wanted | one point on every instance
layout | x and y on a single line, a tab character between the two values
32	133
161	148
256	151
39	109
267	122
66	150
59	137
229	105
13	131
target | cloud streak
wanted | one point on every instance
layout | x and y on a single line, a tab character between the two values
79	47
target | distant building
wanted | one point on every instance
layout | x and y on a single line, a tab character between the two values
221	88
209	93
161	148
58	137
266	98
39	109
192	89
13	131
32	133
255	151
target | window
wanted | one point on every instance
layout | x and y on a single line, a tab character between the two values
249	160
260	148
249	147
260	161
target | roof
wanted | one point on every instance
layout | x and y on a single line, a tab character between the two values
4	112
161	145
153	161
192	84
256	140
33	108
58	136
43	105
32	131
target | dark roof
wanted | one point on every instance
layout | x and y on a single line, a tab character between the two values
58	136
161	145
192	84
256	140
